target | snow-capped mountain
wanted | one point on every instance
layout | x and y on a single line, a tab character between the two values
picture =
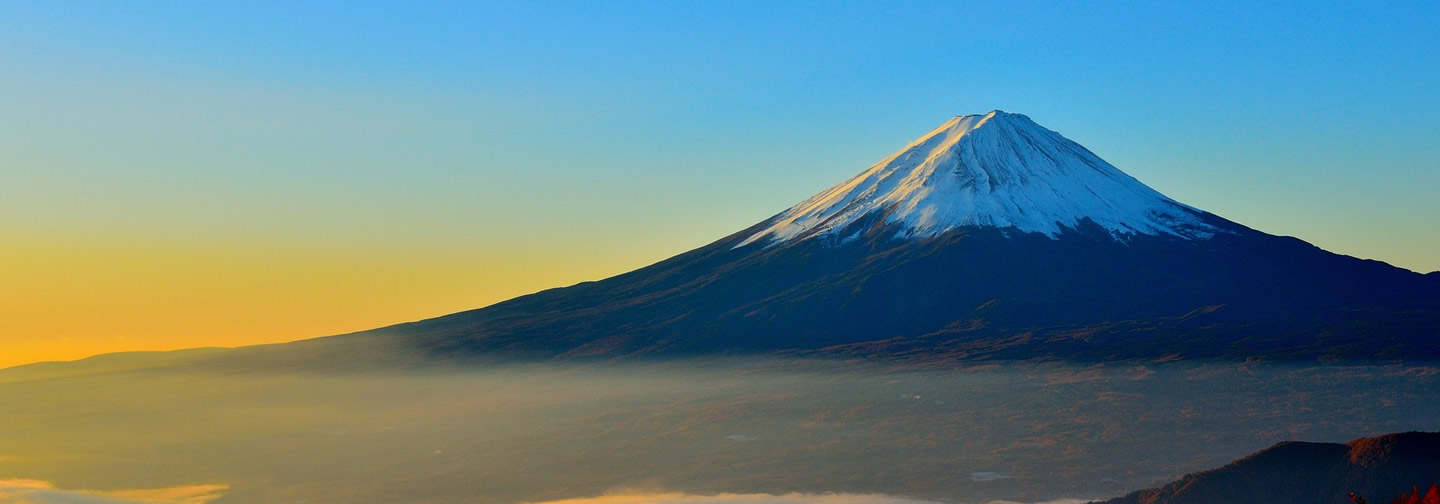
999	170
989	237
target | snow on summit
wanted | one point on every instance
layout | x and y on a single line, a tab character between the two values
997	170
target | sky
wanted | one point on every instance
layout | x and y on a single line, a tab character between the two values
183	174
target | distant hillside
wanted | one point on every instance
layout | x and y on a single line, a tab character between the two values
1377	468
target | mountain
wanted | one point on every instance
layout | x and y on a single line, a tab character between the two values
1378	469
988	237
997	170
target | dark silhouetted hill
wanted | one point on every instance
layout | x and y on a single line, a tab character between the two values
1377	468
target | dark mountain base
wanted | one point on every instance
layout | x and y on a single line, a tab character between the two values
975	293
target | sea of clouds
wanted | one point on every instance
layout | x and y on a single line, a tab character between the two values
760	498
29	491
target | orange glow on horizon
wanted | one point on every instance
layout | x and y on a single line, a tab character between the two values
66	301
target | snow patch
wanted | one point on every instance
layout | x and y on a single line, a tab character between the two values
993	170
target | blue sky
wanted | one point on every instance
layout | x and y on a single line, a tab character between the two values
554	142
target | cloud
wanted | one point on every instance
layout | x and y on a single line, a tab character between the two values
984	476
1056	501
28	491
728	498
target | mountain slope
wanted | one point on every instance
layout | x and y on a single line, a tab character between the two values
996	170
990	237
1378	468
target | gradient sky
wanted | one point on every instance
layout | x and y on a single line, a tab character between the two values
178	174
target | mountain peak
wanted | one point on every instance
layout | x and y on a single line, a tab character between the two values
996	114
989	170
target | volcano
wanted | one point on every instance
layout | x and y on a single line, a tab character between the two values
990	237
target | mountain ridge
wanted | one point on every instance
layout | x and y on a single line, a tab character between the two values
855	282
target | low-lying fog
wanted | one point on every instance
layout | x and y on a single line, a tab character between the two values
704	432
